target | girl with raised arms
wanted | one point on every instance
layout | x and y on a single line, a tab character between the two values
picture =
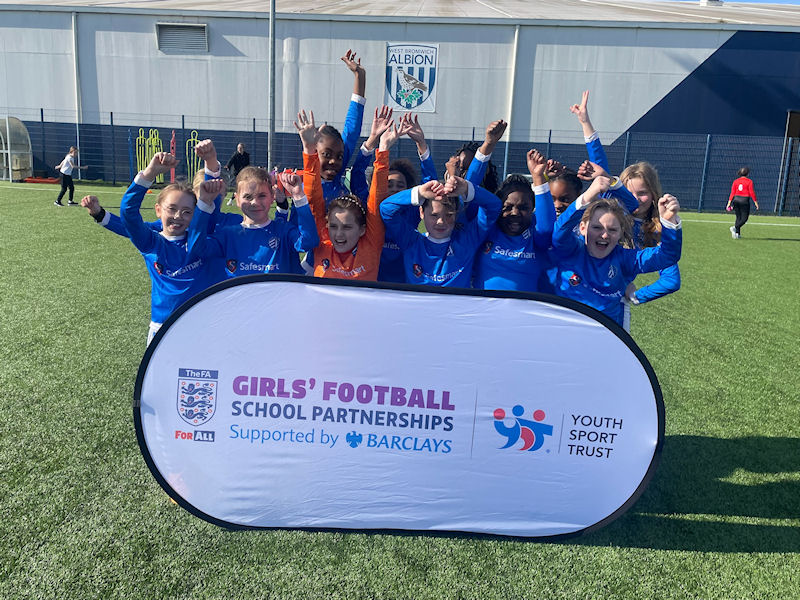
513	255
593	267
444	256
642	181
351	238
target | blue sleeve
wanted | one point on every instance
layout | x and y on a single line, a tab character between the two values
306	237
397	222
140	234
199	243
597	154
669	281
115	225
487	208
667	253
623	195
565	242
214	220
358	177
352	129
545	216
475	175
428	169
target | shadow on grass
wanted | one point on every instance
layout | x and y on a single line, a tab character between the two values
701	478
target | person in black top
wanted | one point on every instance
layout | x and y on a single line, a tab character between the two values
237	162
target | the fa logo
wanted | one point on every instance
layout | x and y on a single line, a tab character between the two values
326	264
273	243
231	265
159	268
197	395
612	272
487	247
574	279
411	76
417	270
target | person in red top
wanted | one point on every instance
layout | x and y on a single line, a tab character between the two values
741	193
351	239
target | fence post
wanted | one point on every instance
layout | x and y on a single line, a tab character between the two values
786	163
44	146
705	175
113	151
131	159
183	140
253	146
549	139
627	149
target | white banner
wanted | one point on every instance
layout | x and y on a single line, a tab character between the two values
275	401
411	75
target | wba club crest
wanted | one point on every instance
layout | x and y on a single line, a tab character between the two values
197	395
411	76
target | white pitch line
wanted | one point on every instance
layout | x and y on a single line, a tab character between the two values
748	223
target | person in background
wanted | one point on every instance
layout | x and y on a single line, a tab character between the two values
236	163
65	167
742	192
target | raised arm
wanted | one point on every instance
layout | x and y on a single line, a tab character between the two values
565	240
378	190
477	168
142	236
409	125
303	236
355	110
593	145
544	210
312	181
358	179
668	252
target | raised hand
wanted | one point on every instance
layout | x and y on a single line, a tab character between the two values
456	186
210	189
589	170
380	123
554	168
536	164
582	112
206	151
353	63
92	203
162	162
292	183
431	190
668	208
494	131
600	184
389	138
451	167
309	134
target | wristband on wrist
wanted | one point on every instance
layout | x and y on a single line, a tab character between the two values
100	216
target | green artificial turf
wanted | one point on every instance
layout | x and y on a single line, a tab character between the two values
82	517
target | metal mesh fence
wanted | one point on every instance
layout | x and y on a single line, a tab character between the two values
698	169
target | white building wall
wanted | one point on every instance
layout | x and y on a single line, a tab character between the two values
628	69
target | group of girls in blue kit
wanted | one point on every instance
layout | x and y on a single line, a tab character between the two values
548	235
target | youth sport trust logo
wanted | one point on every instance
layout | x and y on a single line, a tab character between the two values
197	395
530	432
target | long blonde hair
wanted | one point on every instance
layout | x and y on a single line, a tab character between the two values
651	222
